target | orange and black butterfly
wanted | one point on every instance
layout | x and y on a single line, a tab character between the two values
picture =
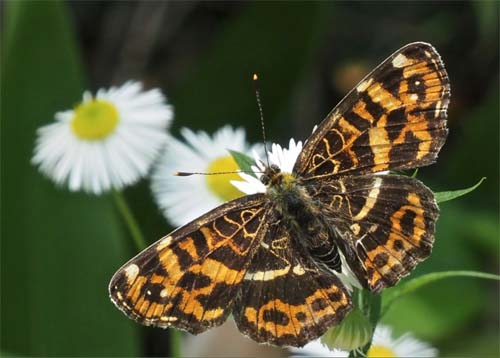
271	258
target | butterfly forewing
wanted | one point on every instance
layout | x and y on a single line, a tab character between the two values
285	299
395	118
190	278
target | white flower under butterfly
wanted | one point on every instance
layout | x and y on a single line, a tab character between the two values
383	345
284	158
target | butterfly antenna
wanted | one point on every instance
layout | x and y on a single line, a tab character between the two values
187	174
255	79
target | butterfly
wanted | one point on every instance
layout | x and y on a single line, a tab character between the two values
271	259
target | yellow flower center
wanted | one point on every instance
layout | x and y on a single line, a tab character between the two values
380	351
219	184
94	120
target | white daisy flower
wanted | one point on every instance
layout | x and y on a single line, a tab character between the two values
108	141
383	345
183	199
316	349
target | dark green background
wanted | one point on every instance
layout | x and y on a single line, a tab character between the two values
59	249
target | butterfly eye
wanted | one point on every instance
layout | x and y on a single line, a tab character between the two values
275	168
265	179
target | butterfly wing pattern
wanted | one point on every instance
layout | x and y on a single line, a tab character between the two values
386	225
252	256
395	118
189	279
285	299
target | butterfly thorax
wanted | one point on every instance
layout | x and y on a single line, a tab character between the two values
298	210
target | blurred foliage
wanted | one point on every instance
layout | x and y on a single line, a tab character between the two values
60	249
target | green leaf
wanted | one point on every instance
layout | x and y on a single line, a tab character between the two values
423	280
244	162
59	249
450	195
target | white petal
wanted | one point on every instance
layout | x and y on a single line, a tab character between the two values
404	346
283	158
316	349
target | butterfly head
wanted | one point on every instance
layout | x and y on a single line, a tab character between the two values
273	176
270	174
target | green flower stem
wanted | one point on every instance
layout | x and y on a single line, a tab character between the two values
140	244
375	309
371	305
129	220
175	342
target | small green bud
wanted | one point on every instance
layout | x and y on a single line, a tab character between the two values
354	331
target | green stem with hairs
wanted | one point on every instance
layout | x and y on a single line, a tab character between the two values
372	304
175	342
129	220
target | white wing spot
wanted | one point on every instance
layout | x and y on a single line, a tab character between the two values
298	270
371	198
355	229
131	271
168	319
438	109
364	85
400	61
266	275
164	243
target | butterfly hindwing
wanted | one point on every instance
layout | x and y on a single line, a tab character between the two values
189	279
386	224
395	118
285	298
